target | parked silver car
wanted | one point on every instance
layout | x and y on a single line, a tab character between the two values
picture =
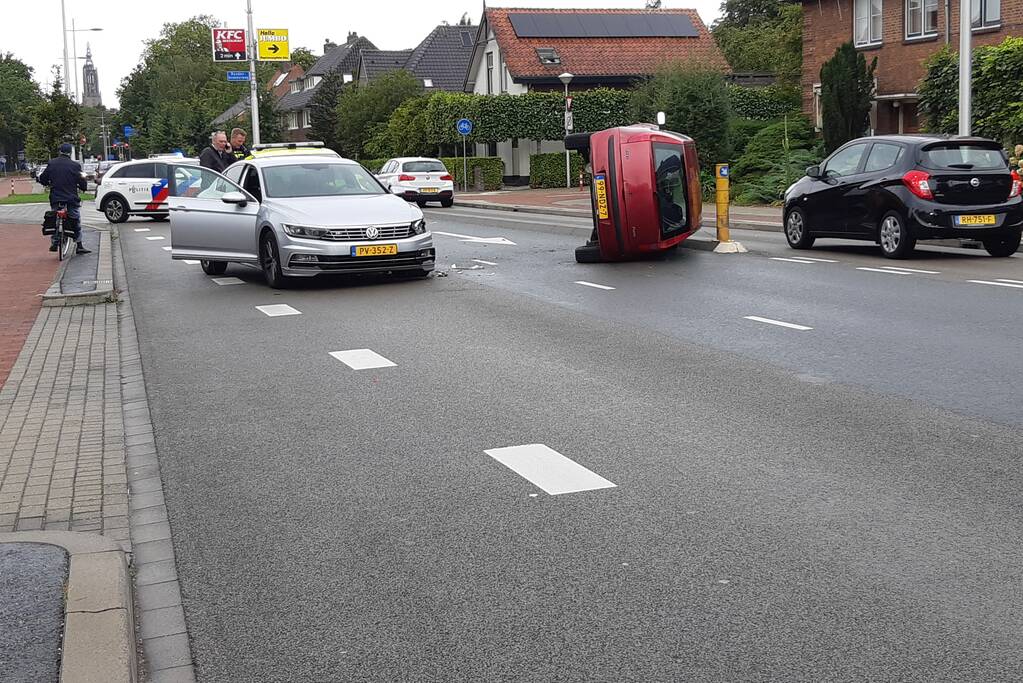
295	216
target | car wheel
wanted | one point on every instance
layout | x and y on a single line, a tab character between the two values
894	236
1003	247
796	232
446	203
270	261
588	253
115	210
213	267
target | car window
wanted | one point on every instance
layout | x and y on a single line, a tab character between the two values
116	172
424	166
845	161
882	155
200	183
145	170
234	172
319	180
386	167
669	172
251	183
964	156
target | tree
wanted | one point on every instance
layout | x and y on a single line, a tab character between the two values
696	102
847	86
743	13
19	95
364	110
56	119
304	57
323	108
767	38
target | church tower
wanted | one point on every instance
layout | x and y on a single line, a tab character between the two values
90	92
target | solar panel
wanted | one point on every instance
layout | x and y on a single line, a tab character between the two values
597	25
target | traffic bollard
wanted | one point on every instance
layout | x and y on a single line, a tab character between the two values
722	201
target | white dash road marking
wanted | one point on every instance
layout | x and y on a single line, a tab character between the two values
362	359
779	323
275	310
548	469
190	262
154	238
912	270
228	281
166	248
792	260
141	229
880	270
818	260
1011	282
486	263
592	284
997	284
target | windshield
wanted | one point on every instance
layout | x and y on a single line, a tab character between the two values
965	157
423	167
319	180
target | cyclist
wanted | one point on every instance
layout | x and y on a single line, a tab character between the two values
64	177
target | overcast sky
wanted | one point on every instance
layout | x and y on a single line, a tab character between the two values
32	31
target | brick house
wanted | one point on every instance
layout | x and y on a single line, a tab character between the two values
902	34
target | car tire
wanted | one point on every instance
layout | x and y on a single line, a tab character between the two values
270	262
796	232
447	203
1003	247
588	253
115	209
896	241
213	267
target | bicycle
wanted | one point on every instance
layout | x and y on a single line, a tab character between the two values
63	226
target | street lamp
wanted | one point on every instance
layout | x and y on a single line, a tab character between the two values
965	68
566	78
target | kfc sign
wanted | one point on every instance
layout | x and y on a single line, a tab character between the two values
229	45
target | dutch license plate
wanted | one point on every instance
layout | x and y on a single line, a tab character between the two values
375	250
982	219
601	188
430	190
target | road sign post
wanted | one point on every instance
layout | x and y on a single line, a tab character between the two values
464	128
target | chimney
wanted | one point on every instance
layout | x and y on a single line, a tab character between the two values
328	45
352	37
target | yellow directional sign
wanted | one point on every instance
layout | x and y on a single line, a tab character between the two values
272	45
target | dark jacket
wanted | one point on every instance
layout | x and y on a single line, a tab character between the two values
215	160
64	176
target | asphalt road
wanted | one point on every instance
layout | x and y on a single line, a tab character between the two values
835	503
32	580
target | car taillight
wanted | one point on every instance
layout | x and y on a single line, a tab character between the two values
446	176
918	183
406	178
1017	185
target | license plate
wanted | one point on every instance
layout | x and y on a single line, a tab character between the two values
601	189
376	250
983	219
430	190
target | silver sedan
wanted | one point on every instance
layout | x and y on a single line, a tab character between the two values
295	216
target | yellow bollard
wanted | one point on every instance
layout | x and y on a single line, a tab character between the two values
722	201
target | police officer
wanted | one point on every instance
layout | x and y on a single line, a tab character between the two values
64	177
238	149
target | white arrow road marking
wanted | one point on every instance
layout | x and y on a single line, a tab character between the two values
1011	282
362	359
997	284
141	229
912	270
275	310
228	281
880	270
779	323
548	469
190	262
487	263
592	284
476	240
154	238
166	248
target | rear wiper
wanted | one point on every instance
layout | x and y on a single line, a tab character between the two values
965	167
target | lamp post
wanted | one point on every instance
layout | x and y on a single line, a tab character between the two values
965	68
63	34
566	78
74	48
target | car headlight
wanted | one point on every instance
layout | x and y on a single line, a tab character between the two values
419	227
304	231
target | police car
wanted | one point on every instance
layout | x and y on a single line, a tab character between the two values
276	149
137	188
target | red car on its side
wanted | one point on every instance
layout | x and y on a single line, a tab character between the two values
645	191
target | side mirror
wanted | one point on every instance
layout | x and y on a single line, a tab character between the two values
235	198
813	171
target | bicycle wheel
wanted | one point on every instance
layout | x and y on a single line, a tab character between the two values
67	245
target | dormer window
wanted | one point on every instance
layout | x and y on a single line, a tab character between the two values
296	86
347	78
548	55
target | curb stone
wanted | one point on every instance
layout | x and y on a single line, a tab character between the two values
99	626
104	292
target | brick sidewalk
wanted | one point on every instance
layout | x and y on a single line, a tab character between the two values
26	270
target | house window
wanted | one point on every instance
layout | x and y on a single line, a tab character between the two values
921	18
347	78
548	55
427	82
504	80
867	22
490	73
292	120
296	86
986	13
818	110
307	118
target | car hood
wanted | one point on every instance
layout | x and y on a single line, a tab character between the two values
374	209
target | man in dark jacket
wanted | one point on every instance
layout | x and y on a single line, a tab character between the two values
216	157
64	177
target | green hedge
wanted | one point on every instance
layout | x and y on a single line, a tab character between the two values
493	169
548	170
770	102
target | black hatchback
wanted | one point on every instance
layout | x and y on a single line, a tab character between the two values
897	189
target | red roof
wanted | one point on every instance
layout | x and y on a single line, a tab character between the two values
604	56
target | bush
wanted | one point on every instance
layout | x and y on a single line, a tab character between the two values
492	167
741	131
769	187
548	170
770	144
762	104
847	87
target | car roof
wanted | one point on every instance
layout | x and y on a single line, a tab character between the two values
286	159
404	159
923	138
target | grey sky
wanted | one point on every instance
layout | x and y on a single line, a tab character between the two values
390	24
